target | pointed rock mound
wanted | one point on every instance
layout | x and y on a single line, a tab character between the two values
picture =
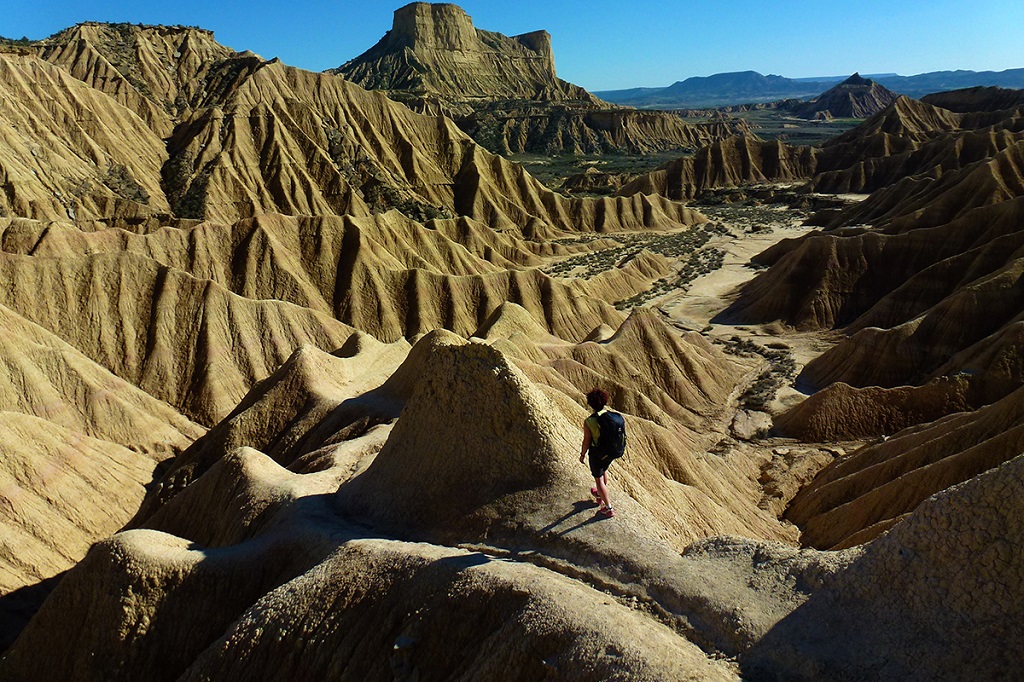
475	441
856	97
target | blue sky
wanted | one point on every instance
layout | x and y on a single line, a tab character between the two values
601	44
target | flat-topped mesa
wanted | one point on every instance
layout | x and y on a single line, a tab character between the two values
425	26
503	91
434	50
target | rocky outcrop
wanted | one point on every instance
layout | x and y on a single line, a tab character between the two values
937	583
434	49
503	90
855	97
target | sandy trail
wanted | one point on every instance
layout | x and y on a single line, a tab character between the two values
694	307
710	294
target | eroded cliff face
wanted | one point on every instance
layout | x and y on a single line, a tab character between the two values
434	49
504	90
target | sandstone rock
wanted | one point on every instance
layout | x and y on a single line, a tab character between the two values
841	412
727	163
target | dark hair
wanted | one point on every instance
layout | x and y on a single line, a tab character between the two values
597	399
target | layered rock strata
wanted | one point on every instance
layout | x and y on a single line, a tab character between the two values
504	91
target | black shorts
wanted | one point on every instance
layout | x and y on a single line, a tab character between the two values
598	465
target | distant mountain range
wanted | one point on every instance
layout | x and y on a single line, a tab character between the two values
742	87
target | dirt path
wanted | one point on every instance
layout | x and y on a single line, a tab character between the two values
750	233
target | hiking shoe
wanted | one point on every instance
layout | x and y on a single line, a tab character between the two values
593	491
606	512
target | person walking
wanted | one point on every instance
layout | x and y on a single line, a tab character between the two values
604	439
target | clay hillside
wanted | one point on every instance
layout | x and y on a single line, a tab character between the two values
855	97
293	382
976	99
504	92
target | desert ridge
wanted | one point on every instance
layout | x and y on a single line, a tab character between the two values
295	374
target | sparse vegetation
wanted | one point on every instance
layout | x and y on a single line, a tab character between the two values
701	262
377	189
772	124
690	242
184	187
553	170
781	371
123	56
23	41
671	245
120	181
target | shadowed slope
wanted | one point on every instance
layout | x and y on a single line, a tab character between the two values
77	445
976	99
301	416
859	496
841	412
918	597
60	491
47	378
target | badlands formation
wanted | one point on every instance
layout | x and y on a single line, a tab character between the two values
294	374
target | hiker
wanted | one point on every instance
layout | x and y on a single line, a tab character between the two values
603	422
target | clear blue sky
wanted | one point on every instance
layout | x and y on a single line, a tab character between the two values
604	45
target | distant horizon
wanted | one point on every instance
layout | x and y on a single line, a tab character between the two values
599	46
833	77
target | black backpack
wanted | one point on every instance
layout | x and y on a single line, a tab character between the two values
612	443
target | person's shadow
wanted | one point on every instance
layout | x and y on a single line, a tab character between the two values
577	508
